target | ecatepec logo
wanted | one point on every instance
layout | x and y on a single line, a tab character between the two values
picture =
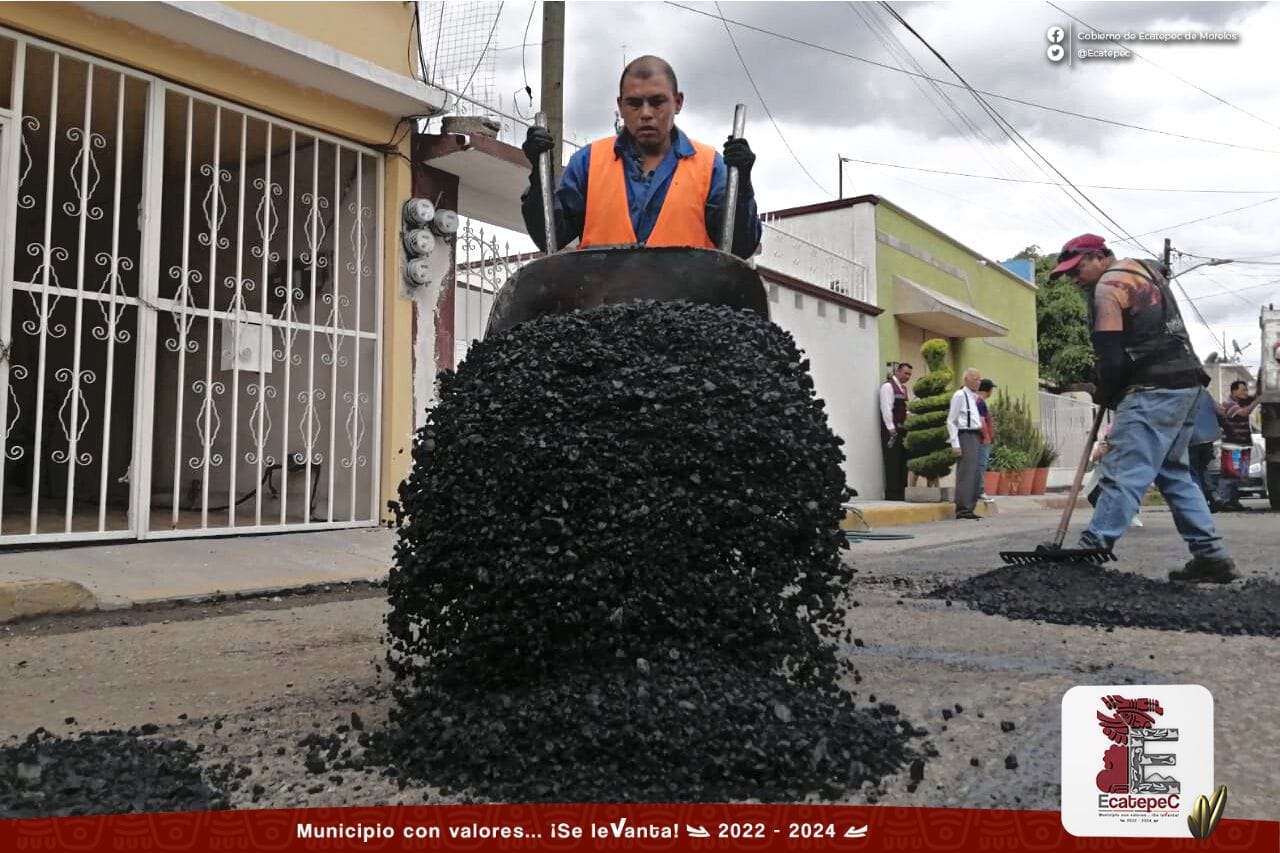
1127	765
1134	758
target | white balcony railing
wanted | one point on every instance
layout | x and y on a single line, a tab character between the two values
788	252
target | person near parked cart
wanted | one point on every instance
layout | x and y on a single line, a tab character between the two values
893	431
985	387
964	429
1149	374
1237	445
1208	429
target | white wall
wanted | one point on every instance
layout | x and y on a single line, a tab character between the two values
843	359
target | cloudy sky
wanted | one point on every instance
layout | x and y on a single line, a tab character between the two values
826	105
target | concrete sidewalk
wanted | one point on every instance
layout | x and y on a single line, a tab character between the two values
107	577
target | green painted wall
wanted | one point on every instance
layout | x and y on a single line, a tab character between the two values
990	291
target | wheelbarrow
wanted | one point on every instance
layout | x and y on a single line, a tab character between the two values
561	282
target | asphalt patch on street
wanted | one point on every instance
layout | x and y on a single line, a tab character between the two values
109	772
1072	594
618	572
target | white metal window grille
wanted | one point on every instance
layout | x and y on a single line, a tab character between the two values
191	311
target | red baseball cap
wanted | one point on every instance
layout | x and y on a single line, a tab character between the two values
1076	248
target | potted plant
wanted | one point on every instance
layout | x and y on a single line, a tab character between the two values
1010	463
990	480
1016	431
928	450
1036	445
1048	456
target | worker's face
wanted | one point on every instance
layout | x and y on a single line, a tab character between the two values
1089	270
648	106
903	374
972	381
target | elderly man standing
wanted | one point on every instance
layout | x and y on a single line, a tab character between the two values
964	428
893	419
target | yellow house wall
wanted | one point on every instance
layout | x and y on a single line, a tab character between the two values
376	31
73	26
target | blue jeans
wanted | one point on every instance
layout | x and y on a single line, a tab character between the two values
984	456
1149	439
1228	490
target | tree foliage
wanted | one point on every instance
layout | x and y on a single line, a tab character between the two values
1062	328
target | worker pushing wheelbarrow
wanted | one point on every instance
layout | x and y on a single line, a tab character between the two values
648	208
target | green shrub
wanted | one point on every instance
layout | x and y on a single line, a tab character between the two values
928	420
928	449
1016	431
921	439
1005	458
1048	455
934	383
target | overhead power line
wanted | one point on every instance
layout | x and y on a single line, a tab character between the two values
767	111
1025	103
1234	261
1274	283
1154	64
1205	218
1016	137
1010	131
1226	291
1053	183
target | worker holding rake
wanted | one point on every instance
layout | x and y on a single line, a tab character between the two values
1150	375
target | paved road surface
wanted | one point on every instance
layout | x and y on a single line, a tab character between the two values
254	678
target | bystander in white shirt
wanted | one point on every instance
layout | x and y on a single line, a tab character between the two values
963	415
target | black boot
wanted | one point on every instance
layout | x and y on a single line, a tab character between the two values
1206	570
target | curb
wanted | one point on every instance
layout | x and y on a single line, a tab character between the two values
21	598
907	513
902	514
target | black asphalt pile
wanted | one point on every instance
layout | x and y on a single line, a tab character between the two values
618	575
109	772
1072	594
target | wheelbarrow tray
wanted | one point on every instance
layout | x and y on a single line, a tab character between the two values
587	278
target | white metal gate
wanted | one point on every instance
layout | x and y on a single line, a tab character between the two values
190	314
482	266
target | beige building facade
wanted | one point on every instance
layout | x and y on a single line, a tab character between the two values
202	325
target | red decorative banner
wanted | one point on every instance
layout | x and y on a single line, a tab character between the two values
601	827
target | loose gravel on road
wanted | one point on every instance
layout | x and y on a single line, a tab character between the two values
109	772
1073	594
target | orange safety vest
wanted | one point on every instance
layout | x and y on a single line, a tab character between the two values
683	218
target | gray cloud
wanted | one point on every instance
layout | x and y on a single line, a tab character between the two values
827	104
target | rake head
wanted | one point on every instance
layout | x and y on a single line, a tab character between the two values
1052	554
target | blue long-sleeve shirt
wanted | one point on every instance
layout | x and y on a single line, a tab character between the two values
645	195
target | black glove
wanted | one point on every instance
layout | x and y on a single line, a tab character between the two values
738	153
536	141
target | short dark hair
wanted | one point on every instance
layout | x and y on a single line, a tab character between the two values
1239	383
905	364
648	66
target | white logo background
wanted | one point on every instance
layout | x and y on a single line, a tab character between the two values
1187	708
